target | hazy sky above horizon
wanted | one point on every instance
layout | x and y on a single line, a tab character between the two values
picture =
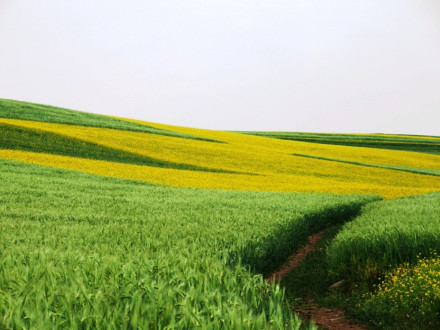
294	65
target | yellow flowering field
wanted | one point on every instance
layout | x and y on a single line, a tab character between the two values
408	295
367	155
264	163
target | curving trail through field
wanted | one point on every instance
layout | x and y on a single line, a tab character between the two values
332	319
295	259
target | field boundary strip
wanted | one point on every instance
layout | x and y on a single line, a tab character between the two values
427	145
22	138
388	167
10	109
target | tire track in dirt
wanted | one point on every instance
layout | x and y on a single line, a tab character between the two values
332	319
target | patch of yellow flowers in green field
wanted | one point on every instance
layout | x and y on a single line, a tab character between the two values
264	163
410	293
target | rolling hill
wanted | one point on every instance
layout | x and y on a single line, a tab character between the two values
186	157
118	223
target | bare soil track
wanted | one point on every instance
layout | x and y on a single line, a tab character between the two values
323	317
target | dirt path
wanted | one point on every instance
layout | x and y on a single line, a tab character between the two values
326	318
295	259
332	319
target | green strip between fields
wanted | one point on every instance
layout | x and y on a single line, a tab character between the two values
388	167
401	143
44	113
18	138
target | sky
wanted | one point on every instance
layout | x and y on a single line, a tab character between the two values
364	66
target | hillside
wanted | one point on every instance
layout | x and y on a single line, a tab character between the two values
118	223
186	157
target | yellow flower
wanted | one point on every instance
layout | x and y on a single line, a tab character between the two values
264	163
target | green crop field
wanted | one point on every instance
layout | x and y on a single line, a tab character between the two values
111	223
395	242
387	233
137	255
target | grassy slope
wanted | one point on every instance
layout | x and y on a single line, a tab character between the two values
387	234
425	144
407	297
45	113
200	240
388	257
85	251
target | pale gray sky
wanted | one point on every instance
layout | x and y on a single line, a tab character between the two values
296	65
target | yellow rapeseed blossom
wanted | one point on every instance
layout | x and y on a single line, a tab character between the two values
410	291
366	155
264	163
